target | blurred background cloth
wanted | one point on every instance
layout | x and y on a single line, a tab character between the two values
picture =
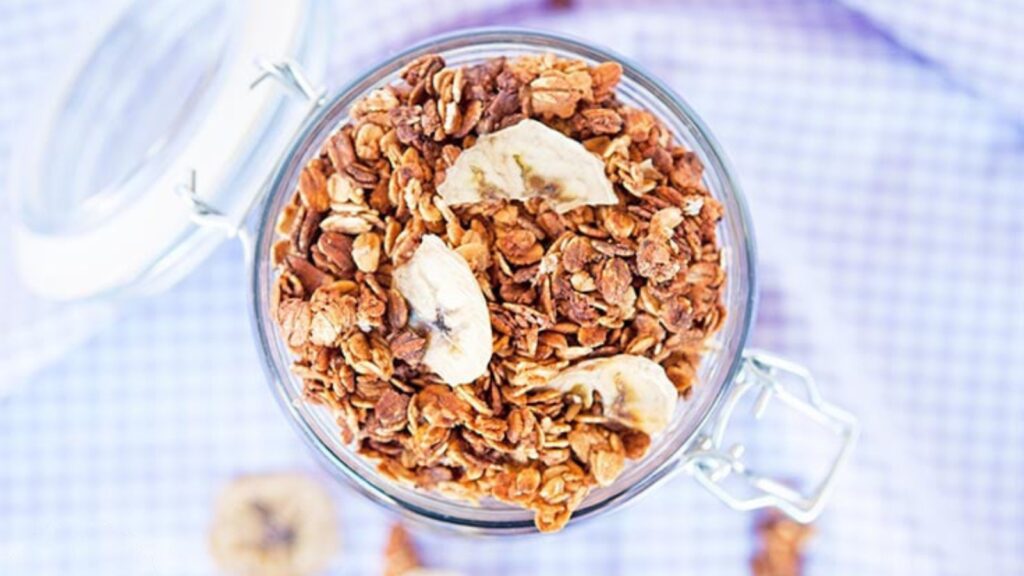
881	146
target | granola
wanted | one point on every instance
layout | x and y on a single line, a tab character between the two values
573	267
782	547
402	559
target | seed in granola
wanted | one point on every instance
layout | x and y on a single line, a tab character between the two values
582	281
619	224
342	191
476	255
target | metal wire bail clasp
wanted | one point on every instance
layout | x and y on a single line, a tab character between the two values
770	378
289	75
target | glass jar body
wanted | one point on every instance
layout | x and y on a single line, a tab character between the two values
719	367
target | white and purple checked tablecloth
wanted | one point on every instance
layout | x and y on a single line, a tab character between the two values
881	145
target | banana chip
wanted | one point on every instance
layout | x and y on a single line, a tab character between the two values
445	299
525	161
635	391
274	525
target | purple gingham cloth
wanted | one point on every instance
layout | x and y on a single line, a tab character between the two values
881	147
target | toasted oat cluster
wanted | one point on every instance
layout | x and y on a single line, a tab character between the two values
782	547
500	279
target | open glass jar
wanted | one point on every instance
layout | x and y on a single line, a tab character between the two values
158	193
692	442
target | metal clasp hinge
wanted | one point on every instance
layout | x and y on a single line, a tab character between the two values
289	74
770	377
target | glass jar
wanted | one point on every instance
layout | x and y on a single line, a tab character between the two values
693	443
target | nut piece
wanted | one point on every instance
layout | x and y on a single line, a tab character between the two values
446	300
401	558
366	251
273	525
782	547
635	391
525	161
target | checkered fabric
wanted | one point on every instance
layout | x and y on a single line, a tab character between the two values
881	147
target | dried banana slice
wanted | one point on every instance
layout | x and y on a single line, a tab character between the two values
525	161
445	299
274	525
635	391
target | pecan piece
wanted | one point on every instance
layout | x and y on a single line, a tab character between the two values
606	76
310	276
368	141
408	346
306	230
365	251
340	149
337	249
313	188
391	409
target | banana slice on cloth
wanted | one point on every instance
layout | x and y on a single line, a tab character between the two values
445	299
635	391
274	525
525	161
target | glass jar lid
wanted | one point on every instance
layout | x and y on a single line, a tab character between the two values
161	101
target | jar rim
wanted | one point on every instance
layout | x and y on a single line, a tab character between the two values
711	154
